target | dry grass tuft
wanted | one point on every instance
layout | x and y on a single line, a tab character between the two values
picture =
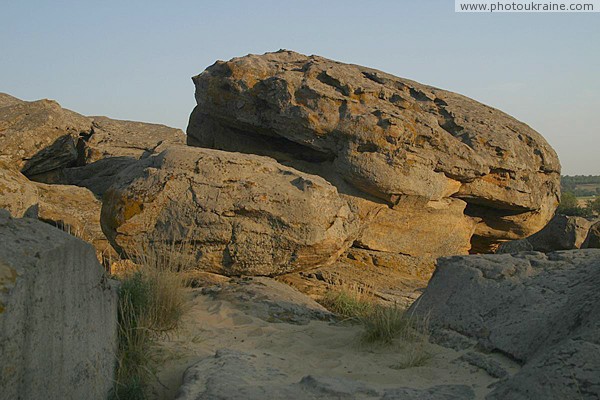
350	301
382	324
151	304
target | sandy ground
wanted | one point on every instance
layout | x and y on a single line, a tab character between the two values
319	348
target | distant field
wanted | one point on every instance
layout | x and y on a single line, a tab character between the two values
582	201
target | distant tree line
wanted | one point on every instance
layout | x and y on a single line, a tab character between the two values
571	190
572	184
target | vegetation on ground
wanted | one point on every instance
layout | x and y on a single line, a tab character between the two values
382	324
581	185
569	205
151	304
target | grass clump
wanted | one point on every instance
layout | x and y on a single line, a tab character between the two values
383	324
151	304
350	301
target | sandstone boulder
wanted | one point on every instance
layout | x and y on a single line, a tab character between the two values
113	146
8	100
592	241
39	137
70	208
562	233
244	214
51	144
58	315
117	138
385	136
542	310
394	279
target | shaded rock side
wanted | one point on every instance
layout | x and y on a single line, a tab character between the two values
70	208
394	279
385	136
58	315
113	146
50	144
39	137
244	214
592	241
562	233
542	310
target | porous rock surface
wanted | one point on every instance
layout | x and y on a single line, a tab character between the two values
232	374
562	233
379	138
269	300
70	208
58	315
244	214
540	309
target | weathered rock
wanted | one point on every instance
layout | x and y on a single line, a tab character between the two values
543	310
561	233
393	278
117	138
592	241
39	137
414	221
58	315
17	194
489	365
383	135
235	375
51	144
8	100
244	214
112	146
269	300
70	208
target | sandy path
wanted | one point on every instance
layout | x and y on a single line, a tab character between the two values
318	348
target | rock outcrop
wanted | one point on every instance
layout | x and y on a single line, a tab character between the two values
394	279
39	137
70	208
386	143
562	233
58	315
592	241
50	144
542	310
233	374
244	214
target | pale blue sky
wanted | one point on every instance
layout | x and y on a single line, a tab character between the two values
134	59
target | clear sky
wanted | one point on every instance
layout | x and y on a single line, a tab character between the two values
134	59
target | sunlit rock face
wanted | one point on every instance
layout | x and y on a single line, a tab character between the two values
388	144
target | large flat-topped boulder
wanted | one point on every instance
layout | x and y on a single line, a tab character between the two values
244	214
58	315
385	136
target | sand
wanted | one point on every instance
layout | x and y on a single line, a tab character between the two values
318	348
